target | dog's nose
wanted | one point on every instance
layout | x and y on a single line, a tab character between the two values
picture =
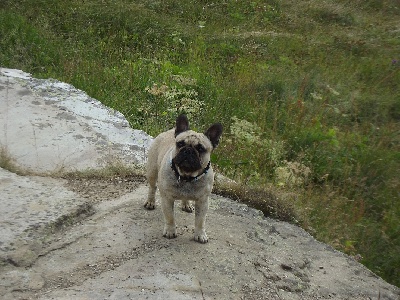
188	150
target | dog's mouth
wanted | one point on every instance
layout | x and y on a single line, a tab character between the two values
187	160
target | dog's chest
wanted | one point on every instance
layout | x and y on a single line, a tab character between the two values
183	190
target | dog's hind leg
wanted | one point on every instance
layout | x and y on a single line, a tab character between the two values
186	206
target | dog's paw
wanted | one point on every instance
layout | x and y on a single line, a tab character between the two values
187	207
201	238
150	205
169	233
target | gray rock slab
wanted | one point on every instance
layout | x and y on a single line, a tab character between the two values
29	204
119	253
50	126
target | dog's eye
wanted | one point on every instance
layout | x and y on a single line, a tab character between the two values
180	144
200	148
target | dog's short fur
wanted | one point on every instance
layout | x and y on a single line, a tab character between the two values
179	164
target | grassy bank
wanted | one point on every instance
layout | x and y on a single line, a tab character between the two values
308	92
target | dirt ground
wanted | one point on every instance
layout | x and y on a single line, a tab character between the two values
113	249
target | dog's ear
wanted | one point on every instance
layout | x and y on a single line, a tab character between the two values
182	124
214	133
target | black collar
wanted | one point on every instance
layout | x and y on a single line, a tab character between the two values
189	178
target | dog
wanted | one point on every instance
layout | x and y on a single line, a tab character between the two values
179	164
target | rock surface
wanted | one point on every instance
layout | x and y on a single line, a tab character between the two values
49	126
91	238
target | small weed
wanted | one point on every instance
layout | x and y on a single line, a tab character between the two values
7	163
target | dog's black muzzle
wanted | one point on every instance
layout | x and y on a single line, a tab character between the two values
188	159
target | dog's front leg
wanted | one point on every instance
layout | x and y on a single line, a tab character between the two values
167	205
201	208
151	197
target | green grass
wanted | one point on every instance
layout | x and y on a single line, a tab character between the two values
308	93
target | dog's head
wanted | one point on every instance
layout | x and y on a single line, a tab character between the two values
193	149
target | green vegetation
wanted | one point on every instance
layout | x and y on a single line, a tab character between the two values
308	92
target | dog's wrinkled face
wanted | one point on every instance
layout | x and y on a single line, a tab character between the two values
193	150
